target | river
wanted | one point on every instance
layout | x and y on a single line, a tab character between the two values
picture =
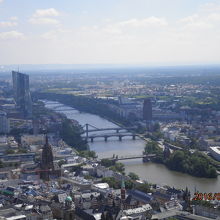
152	172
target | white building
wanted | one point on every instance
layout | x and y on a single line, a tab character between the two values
4	123
143	212
104	172
215	152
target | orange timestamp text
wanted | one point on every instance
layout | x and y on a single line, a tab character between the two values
206	196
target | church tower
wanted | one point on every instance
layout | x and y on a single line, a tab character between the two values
123	191
46	161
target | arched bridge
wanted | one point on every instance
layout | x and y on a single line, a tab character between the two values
90	128
107	136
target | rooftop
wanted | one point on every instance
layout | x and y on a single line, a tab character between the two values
216	149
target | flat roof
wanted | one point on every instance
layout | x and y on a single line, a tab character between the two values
183	214
17	217
102	185
216	149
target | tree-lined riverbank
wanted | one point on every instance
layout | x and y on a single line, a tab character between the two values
194	164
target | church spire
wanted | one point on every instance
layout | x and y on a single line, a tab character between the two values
123	191
46	160
122	183
46	141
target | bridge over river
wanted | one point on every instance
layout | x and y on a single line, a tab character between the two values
120	132
152	172
109	135
146	157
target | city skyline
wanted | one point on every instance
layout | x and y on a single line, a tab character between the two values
117	32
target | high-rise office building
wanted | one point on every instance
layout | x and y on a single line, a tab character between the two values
22	93
4	123
147	110
36	125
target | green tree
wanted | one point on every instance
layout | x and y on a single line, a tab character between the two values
118	167
1	164
152	148
107	162
143	187
112	182
72	136
195	164
129	184
61	162
133	176
88	154
10	151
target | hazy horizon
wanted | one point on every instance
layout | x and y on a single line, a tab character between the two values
178	70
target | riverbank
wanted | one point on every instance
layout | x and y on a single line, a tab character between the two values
85	104
176	161
152	172
193	163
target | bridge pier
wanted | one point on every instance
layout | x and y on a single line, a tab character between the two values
117	130
120	138
134	137
87	131
92	138
146	159
106	138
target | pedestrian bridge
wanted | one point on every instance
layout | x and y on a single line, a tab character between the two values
143	156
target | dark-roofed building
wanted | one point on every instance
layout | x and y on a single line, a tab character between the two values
140	196
46	161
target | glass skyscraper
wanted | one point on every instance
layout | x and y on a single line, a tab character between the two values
22	93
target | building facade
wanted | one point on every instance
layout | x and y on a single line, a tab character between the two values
215	152
22	93
147	110
4	123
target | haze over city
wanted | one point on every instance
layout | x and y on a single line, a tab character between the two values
149	32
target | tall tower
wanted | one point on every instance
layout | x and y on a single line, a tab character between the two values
46	161
147	110
35	126
22	93
123	191
4	123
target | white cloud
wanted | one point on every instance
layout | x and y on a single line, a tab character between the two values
190	18
4	24
129	25
13	18
207	17
50	12
44	21
43	16
11	35
151	21
56	34
210	7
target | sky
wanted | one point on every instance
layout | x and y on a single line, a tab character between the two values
149	32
